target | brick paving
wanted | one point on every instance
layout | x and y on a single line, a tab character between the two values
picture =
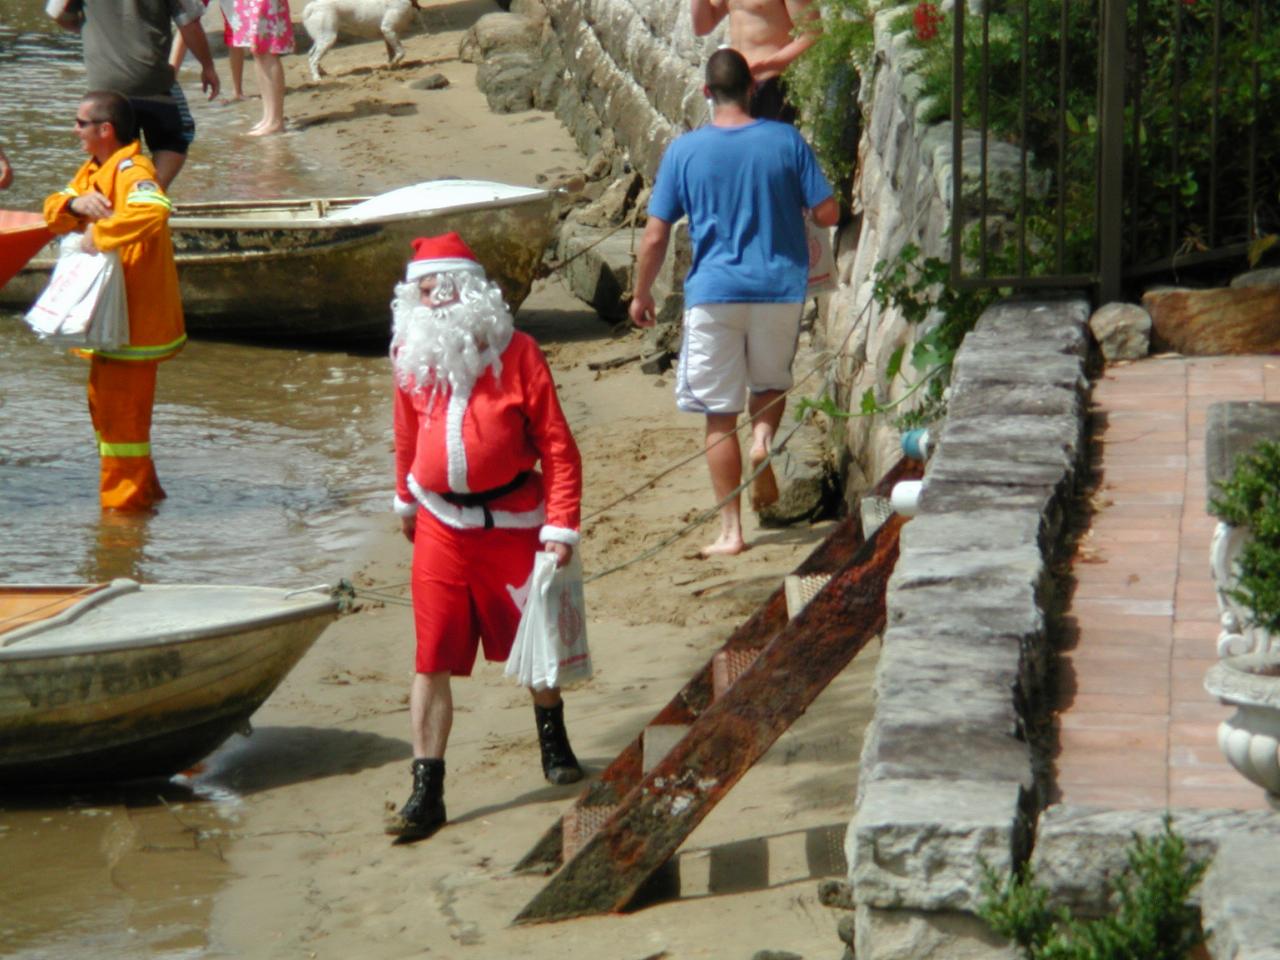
1136	728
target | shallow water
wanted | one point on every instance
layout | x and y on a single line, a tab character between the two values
275	461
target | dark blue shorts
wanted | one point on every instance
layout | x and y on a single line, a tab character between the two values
165	124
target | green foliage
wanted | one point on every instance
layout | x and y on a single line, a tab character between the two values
823	83
1168	135
920	288
1251	499
1153	919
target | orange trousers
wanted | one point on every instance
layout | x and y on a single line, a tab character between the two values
121	394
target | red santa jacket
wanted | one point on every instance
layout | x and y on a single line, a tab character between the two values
470	443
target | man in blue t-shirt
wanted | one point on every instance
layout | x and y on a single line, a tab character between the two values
744	184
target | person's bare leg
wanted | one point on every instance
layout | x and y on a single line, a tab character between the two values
545	698
766	414
271	84
724	461
168	166
235	61
431	713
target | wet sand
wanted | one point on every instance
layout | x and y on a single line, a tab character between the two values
287	858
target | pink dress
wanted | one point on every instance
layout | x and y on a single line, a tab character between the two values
263	26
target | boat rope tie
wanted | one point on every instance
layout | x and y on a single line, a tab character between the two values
381	592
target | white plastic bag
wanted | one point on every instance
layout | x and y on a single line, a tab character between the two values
822	259
84	304
550	648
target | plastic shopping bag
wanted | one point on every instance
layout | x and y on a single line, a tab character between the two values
550	648
84	304
822	260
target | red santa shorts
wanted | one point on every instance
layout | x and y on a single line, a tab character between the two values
469	587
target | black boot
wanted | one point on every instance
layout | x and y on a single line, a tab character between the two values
423	813
559	765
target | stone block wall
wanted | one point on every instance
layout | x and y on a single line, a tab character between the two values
632	76
950	774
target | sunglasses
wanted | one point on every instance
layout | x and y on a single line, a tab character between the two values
80	124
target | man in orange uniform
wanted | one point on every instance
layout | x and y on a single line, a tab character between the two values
115	201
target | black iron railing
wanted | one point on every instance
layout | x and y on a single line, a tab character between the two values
1136	138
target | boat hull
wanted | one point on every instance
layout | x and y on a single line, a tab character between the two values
141	709
273	272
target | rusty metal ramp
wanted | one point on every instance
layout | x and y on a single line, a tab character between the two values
634	817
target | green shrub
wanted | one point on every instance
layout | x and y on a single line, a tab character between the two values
1251	499
823	83
1153	920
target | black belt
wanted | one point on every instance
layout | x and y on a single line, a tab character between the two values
482	498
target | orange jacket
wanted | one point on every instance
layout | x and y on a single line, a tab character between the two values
138	229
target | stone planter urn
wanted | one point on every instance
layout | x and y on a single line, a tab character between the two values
1250	739
1238	635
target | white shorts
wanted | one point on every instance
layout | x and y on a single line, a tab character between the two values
729	348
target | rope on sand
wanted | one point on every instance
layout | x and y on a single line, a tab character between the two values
827	363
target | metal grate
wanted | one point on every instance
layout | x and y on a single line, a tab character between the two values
800	590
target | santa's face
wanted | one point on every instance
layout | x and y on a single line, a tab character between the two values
448	328
435	290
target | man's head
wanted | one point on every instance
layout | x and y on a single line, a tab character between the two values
105	123
728	77
449	321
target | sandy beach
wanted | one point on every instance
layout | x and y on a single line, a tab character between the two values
306	870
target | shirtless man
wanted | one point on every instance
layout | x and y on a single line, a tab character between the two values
765	32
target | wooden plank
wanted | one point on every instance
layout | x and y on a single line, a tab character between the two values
726	739
624	773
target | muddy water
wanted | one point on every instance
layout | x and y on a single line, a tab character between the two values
275	460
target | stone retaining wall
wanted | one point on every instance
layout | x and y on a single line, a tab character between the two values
953	769
950	776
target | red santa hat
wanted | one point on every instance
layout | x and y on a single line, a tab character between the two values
440	254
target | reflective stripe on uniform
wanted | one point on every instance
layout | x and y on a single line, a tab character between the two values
124	449
154	199
158	352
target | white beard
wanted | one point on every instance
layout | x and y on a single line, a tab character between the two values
437	347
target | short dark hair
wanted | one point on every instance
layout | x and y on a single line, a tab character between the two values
728	76
114	108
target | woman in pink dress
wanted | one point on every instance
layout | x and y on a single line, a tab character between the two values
265	28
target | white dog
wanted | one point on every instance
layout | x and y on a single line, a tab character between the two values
325	19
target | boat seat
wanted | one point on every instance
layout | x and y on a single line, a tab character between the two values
31	610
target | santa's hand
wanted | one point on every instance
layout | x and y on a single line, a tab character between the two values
408	526
643	311
562	551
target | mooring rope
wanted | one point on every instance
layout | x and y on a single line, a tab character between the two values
827	363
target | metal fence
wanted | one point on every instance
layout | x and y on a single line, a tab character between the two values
1146	135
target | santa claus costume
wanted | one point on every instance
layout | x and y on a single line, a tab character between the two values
476	415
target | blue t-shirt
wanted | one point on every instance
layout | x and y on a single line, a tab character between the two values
744	190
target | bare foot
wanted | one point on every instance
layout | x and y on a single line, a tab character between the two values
764	488
262	131
724	547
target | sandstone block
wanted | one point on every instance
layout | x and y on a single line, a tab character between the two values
1266	277
1123	331
918	844
917	935
498	32
1081	850
1237	900
508	80
1233	428
1223	320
